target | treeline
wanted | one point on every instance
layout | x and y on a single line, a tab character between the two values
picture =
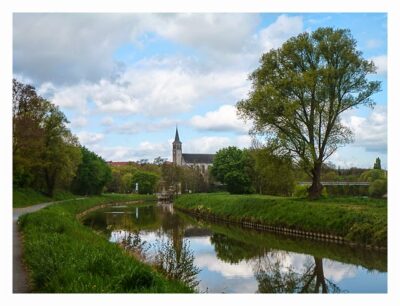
146	178
46	155
262	170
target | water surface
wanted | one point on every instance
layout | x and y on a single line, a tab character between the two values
224	258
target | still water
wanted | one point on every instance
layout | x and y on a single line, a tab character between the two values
218	258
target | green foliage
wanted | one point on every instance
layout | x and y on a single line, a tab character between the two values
147	181
92	175
373	175
300	91
65	256
336	216
237	182
274	174
232	166
45	153
121	178
301	191
378	188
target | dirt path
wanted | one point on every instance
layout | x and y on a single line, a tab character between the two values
20	276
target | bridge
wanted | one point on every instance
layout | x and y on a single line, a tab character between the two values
337	183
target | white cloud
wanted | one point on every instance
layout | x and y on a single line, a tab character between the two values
69	48
155	87
210	262
89	139
337	271
369	132
278	32
143	126
211	144
223	119
79	122
107	121
381	64
144	150
211	32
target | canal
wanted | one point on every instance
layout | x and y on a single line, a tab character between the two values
221	258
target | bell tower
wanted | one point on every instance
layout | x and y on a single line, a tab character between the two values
177	150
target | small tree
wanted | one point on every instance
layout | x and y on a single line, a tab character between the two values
301	90
146	181
92	175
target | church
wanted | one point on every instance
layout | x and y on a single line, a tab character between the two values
200	161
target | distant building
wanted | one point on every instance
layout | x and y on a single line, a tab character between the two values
200	161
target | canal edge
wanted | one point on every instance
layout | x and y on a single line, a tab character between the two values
280	230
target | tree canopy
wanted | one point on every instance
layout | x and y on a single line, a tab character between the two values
45	152
232	166
300	91
92	175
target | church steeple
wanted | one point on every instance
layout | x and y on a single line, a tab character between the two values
177	135
177	149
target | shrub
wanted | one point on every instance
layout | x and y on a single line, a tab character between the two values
378	188
301	191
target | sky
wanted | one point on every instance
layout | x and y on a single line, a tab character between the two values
125	81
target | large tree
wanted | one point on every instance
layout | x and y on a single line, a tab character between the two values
45	153
300	91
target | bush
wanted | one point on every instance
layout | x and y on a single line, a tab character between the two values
378	188
301	191
147	181
373	175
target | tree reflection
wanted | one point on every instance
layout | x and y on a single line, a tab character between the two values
232	250
273	277
176	262
132	242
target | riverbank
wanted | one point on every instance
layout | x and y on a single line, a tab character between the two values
355	220
62	255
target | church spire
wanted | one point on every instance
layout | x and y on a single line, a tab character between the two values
177	135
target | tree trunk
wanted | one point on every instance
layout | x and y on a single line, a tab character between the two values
315	190
50	183
319	271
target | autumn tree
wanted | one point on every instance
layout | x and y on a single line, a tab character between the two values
300	91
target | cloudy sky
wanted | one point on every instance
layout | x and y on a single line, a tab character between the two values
126	80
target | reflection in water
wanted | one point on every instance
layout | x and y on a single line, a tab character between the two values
176	263
273	278
220	258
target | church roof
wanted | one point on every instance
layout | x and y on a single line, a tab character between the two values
198	158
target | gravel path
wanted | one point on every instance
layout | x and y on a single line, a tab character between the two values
20	276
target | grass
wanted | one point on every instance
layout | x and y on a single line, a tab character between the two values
63	255
23	197
357	219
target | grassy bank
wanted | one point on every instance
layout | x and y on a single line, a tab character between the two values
359	220
248	243
23	197
62	255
